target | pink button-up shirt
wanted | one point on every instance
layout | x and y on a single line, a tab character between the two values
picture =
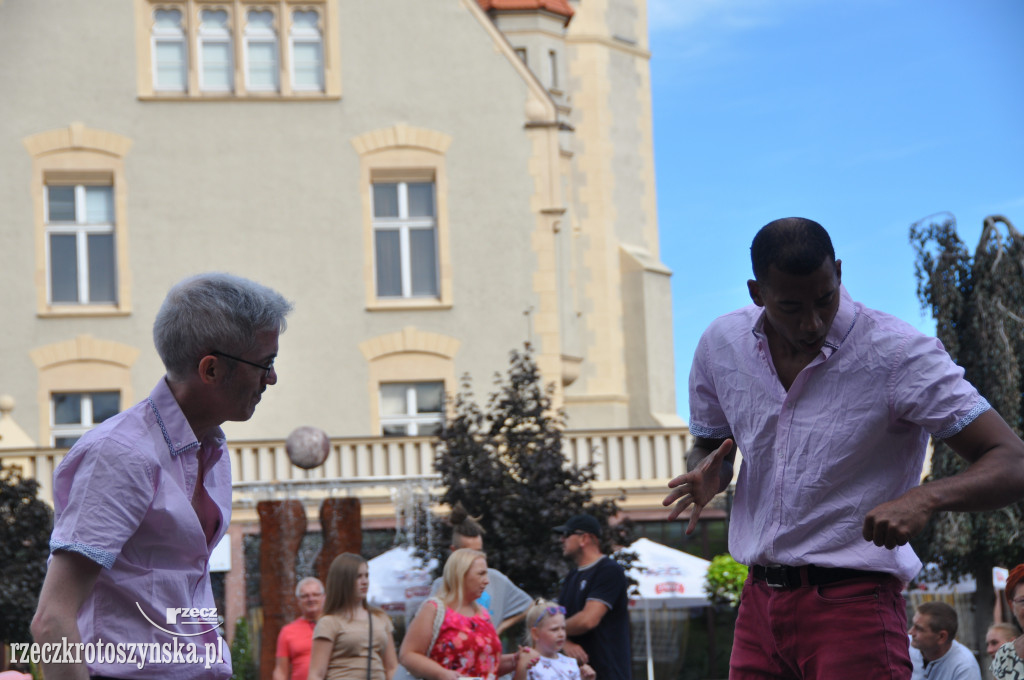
124	497
850	433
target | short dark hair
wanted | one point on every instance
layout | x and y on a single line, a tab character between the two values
940	617
795	245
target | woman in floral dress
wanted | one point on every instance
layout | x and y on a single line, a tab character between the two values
452	635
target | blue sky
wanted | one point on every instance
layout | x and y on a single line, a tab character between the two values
865	116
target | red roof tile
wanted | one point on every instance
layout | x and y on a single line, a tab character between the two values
560	7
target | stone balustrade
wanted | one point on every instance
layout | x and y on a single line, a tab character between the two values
623	459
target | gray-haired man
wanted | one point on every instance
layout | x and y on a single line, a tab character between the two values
295	641
142	499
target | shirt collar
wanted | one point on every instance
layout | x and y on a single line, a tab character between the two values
842	324
173	424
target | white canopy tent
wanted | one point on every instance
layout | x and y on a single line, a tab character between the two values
668	578
398	578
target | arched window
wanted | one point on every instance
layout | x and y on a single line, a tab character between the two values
307	51
170	51
218	49
82	382
411	372
216	65
261	52
78	185
404	182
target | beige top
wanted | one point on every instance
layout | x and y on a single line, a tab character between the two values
349	645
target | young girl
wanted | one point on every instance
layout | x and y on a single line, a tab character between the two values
546	621
350	630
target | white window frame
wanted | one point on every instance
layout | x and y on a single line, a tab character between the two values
302	35
411	420
81	229
86	423
165	35
261	35
212	36
403	224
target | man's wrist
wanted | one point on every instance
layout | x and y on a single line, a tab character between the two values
926	497
725	475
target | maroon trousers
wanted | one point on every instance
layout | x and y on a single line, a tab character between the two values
855	629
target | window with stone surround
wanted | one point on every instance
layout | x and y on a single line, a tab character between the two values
204	49
411	409
72	414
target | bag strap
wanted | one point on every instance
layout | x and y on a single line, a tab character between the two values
369	648
438	620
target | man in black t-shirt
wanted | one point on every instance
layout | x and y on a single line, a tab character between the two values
595	601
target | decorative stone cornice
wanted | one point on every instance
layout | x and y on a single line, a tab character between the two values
77	137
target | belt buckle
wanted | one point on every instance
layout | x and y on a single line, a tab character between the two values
776	576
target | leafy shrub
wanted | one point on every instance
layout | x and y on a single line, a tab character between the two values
725	580
243	657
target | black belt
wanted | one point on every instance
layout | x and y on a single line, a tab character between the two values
781	576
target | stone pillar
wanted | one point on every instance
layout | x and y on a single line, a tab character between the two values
234	583
282	527
342	525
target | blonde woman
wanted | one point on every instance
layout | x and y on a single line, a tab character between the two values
452	636
351	641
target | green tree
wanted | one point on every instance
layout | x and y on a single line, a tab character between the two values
25	525
977	301
505	464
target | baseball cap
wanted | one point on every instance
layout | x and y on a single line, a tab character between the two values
585	523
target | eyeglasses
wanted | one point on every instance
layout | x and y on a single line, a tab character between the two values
1019	601
549	611
266	369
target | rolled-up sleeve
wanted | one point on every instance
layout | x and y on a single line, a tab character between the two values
929	389
707	419
105	498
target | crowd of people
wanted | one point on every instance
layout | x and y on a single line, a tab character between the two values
456	632
936	654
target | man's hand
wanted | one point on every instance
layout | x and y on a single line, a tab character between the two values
994	478
573	650
282	668
897	521
698	486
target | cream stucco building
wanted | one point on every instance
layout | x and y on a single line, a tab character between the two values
432	182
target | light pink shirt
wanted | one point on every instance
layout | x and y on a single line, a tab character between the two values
849	434
123	498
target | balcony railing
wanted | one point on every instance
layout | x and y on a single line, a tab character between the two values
622	458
